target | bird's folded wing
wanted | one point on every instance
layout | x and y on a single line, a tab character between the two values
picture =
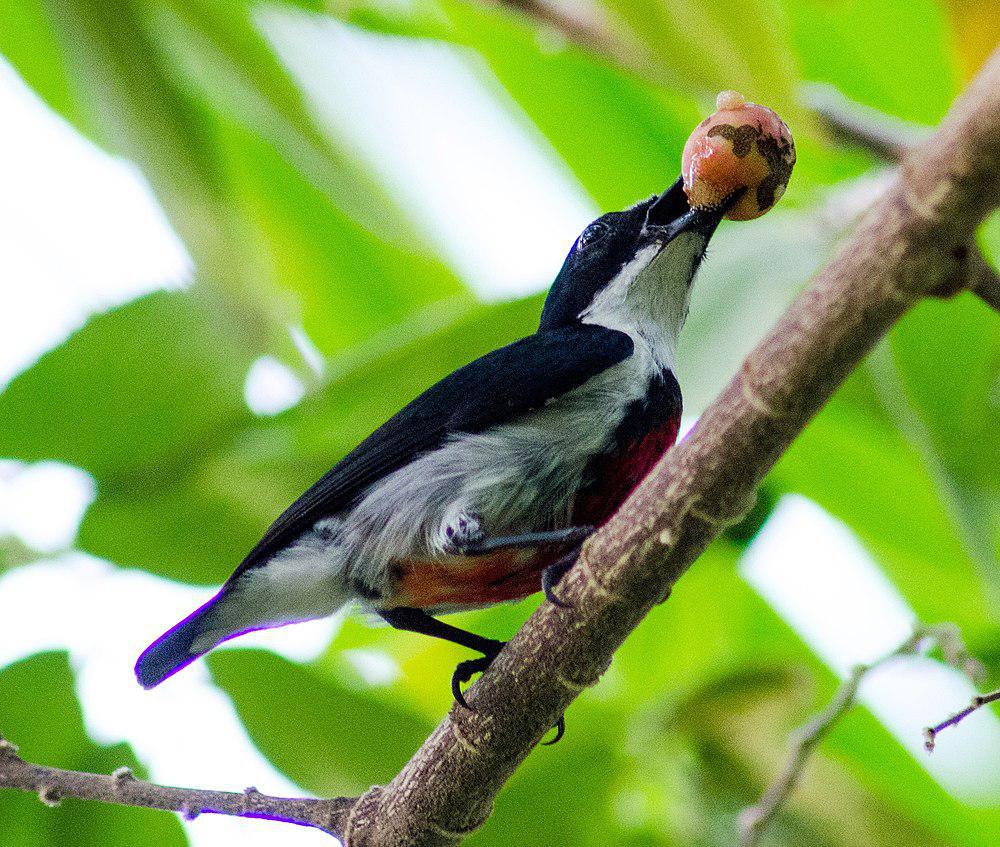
496	388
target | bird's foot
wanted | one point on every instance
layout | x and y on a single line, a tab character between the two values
552	575
464	671
463	533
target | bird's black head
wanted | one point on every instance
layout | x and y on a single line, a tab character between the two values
655	246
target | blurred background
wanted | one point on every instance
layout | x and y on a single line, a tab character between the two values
235	237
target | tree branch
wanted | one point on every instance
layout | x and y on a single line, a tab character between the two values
909	245
53	785
589	25
885	136
755	819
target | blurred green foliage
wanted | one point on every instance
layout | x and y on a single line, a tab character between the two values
288	226
49	728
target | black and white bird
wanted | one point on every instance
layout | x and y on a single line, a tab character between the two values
483	488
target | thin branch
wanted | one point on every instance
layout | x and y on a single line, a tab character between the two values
885	136
907	247
53	785
755	819
931	732
590	26
581	24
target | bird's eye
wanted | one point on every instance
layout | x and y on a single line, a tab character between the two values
591	234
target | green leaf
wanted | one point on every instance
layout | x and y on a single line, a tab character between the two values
861	470
621	137
134	398
948	357
740	722
328	738
713	45
569	789
216	51
134	391
184	90
41	715
29	43
890	54
350	284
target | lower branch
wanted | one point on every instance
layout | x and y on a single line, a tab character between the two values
755	819
53	785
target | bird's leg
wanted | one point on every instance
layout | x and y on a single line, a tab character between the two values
417	620
480	545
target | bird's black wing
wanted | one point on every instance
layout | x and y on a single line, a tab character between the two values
497	387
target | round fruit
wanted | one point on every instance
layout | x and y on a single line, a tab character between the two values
741	145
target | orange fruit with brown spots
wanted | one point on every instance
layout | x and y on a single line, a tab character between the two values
741	145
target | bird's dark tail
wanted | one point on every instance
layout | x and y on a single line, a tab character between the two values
175	649
237	609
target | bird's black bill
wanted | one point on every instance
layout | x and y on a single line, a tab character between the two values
672	213
669	206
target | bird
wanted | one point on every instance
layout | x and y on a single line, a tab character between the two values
483	489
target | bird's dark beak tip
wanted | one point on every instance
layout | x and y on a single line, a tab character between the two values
671	210
706	220
669	206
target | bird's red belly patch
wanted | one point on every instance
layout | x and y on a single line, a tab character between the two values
468	581
616	475
513	573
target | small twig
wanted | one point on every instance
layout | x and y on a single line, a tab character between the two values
931	732
590	26
582	25
885	136
53	785
755	819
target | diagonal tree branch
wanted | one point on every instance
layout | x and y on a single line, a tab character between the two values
910	244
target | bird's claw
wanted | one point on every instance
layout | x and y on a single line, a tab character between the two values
553	574
464	671
560	728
